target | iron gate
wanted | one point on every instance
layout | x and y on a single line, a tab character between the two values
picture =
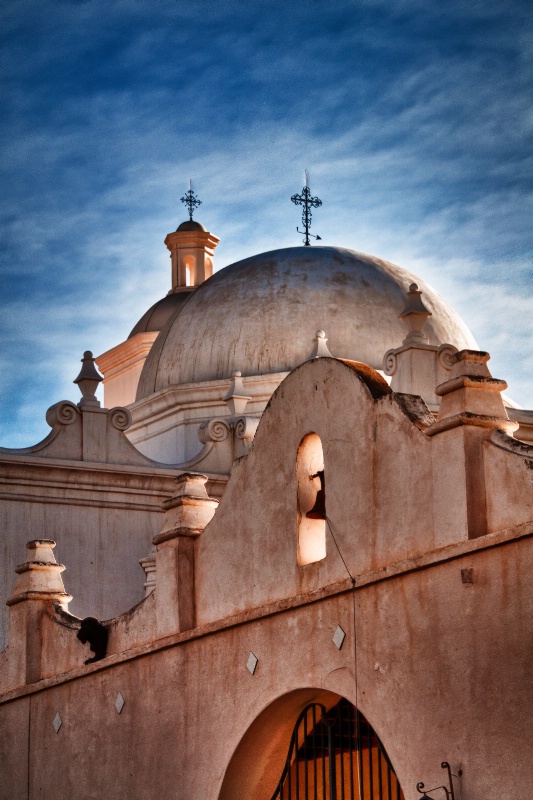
336	755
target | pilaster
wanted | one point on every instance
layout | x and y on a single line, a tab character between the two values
186	516
471	408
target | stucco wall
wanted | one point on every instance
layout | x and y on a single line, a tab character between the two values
102	513
439	638
379	493
442	672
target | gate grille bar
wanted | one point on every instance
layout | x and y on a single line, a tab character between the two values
335	754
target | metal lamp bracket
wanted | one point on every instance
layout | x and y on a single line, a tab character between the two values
448	790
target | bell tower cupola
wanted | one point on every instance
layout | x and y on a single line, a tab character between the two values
192	248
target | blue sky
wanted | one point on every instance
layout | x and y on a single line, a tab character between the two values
413	117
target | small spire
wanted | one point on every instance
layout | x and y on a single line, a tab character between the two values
190	200
236	398
320	350
415	315
188	511
88	381
40	576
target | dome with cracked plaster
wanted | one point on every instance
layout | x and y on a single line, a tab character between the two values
260	316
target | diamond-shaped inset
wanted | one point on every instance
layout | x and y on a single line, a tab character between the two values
119	702
57	722
338	637
252	662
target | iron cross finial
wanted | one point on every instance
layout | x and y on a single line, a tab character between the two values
304	199
190	200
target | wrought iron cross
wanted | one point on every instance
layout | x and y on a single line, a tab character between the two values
304	199
190	200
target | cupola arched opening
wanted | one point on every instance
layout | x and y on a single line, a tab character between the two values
189	264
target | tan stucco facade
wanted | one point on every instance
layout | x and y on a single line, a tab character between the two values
428	558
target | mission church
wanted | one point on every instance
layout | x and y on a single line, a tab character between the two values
289	558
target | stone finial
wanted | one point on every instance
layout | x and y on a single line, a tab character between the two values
40	576
471	396
320	349
415	315
88	381
236	398
189	511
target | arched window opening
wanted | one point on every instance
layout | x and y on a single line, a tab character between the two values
189	262
336	755
311	506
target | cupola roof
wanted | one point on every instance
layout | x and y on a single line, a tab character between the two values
191	225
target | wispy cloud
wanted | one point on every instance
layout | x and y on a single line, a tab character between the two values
414	119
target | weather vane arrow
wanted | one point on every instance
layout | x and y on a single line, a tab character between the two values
190	200
308	202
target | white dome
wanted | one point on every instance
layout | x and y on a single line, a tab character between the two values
261	314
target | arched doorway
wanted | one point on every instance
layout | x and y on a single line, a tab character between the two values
310	744
334	754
